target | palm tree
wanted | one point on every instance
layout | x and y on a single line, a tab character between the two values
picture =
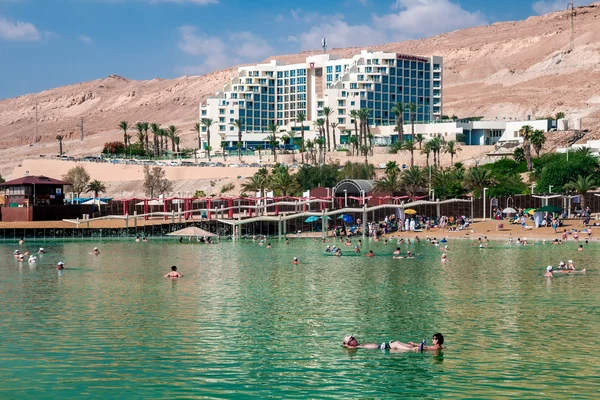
320	143
155	128
412	108
301	117
272	139
146	137
537	140
256	183
284	183
197	129
389	184
177	140
224	147
398	109
124	125
319	123
353	140
560	115
582	185
413	179
207	122
334	125
140	133
479	178
426	150
327	111
391	167
435	145
172	134
292	136
526	132
95	186
365	150
309	145
239	124
452	148
364	122
259	148
420	138
60	138
162	134
355	115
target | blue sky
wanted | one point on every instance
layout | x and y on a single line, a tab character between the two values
50	43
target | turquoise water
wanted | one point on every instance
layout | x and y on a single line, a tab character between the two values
244	322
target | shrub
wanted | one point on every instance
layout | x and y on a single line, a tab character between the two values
228	187
199	193
114	148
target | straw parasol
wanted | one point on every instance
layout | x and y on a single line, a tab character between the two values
192	231
410	211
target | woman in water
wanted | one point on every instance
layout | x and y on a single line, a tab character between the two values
350	342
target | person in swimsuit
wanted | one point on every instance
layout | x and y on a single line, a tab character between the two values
350	342
548	273
437	339
295	261
370	254
60	266
95	252
174	273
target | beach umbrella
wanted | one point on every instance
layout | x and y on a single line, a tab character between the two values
529	211
311	219
191	231
410	211
326	217
509	210
549	208
348	219
94	202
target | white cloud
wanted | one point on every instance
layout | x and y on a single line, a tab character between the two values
547	6
419	18
337	31
86	40
219	53
18	30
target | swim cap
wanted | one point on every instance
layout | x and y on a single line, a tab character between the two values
549	268
570	261
60	263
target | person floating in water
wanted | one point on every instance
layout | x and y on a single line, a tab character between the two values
41	250
60	266
295	261
269	246
95	252
174	273
338	252
445	257
350	342
370	254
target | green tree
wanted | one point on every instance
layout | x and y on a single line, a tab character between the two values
155	128
310	177
390	183
272	140
333	126
412	108
327	111
398	110
172	134
197	128
78	177
560	115
239	124
413	179
139	127
447	183
59	139
301	117
478	178
283	183
391	167
526	132
452	148
224	148
436	146
426	150
582	185
155	181
146	126
538	138
207	122
355	115
519	155
353	170
124	125
257	182
96	187
420	139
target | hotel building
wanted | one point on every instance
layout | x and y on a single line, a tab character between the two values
276	93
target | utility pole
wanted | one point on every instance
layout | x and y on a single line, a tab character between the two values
572	14
81	127
35	139
324	45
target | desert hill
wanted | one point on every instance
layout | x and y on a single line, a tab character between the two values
508	69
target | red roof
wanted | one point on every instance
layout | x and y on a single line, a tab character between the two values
34	180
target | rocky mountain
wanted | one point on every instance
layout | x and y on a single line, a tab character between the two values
504	70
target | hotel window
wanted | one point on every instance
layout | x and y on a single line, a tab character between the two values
338	68
329	78
329	69
286	74
341	111
248	81
340	103
203	112
353	86
221	127
293	72
221	111
279	74
231	128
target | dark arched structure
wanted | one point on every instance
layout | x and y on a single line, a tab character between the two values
354	187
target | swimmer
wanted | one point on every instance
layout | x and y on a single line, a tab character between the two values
338	252
16	253
145	239
437	340
95	252
328	249
385	241
571	266
21	257
359	243
60	266
269	246
409	255
356	249
41	250
580	248
444	257
397	251
137	239
32	259
21	241
174	273
350	342
548	273
370	254
287	241
295	261
398	257
561	265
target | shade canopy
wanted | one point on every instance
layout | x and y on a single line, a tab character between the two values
346	218
549	208
192	231
151	203
94	202
311	219
410	211
509	210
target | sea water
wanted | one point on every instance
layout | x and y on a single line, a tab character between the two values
244	322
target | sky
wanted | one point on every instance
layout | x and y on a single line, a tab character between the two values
50	43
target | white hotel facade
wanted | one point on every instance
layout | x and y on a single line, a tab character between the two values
276	93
